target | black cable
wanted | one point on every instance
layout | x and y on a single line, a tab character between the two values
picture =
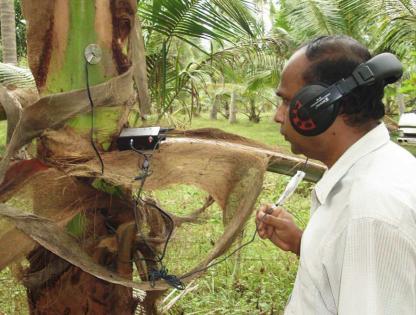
142	177
304	164
162	273
172	224
92	119
228	256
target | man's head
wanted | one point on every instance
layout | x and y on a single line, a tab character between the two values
326	60
334	58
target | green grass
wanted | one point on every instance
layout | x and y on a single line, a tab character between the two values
262	281
410	148
12	295
267	131
266	274
3	132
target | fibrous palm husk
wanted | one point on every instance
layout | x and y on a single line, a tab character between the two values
223	166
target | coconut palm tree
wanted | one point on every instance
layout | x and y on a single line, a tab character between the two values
167	24
212	49
397	28
381	25
71	47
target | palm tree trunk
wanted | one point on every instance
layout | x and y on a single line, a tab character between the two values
8	31
253	115
400	101
214	108
232	118
59	33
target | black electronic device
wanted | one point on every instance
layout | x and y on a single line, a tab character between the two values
146	138
314	108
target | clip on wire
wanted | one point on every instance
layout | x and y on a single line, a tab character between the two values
172	280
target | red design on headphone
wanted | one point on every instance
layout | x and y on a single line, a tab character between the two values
299	123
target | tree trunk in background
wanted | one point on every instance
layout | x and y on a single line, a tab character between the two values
58	33
198	106
400	102
141	75
214	108
8	31
232	118
226	113
253	115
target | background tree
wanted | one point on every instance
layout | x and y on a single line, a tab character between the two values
8	31
211	34
380	25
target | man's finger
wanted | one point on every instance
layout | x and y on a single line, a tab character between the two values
275	222
269	211
262	234
269	231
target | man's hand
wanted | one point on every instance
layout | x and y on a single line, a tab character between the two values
279	227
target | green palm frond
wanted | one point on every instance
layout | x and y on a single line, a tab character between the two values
258	52
311	18
219	20
239	11
397	30
356	15
380	24
230	27
264	79
234	63
18	77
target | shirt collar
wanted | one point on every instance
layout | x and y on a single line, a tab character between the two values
372	140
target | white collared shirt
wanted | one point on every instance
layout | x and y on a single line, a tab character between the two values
358	252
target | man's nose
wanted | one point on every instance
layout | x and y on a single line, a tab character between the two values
279	117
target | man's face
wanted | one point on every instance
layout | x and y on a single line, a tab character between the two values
291	82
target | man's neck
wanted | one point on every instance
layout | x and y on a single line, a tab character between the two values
344	139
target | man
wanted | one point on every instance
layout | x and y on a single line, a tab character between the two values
358	251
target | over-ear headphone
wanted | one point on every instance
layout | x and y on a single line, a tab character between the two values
314	108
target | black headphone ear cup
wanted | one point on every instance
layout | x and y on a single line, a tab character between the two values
309	121
303	113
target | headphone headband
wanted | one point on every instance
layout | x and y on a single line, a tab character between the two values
384	67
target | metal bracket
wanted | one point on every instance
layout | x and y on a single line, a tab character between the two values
93	54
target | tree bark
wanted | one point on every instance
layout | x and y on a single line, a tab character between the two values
253	115
400	101
214	108
8	31
59	31
232	118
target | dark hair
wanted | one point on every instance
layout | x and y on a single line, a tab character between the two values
334	58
